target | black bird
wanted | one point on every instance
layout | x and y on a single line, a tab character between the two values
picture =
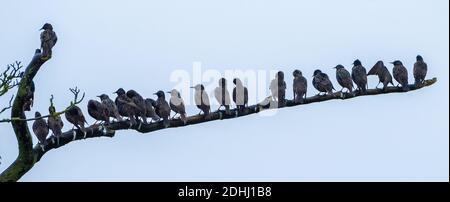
55	123
126	106
343	77
400	74
139	101
113	112
202	99
359	76
420	70
222	95
278	88
40	129
29	97
98	111
383	74
240	95
177	105
300	86
75	116
162	108
150	110
322	82
48	40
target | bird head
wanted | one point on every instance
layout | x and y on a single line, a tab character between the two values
237	82
131	93
397	62
47	26
280	75
37	114
103	96
198	87
51	109
419	58
173	93
317	72
297	73
120	91
222	82
339	67
160	94
357	63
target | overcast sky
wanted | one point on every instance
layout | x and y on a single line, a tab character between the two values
104	45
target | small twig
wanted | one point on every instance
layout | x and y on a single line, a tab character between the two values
8	79
9	105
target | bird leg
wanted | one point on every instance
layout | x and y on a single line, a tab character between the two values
140	124
378	84
174	115
74	135
42	146
53	138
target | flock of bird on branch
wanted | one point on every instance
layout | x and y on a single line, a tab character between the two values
132	105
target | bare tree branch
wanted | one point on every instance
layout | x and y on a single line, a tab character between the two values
8	78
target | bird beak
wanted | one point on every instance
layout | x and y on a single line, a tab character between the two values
98	96
192	87
392	62
168	92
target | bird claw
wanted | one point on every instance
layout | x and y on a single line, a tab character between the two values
42	147
85	134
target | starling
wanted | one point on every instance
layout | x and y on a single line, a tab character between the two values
111	106
140	103
150	110
98	111
48	40
55	123
359	76
177	105
125	105
240	95
75	116
400	74
278	88
343	77
420	70
162	108
201	99
300	86
322	82
222	95
40	129
383	74
29	97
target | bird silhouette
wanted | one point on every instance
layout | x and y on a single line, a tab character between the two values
140	103
177	105
150	109
113	112
400	74
300	86
240	95
278	88
420	70
201	99
344	78
48	40
55	123
162	108
322	82
40	129
222	95
383	74
359	76
29	97
75	116
98	111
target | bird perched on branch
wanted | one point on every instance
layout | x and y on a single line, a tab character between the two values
359	76
140	103
162	108
201	99
420	70
150	110
29	97
343	77
75	116
278	88
383	74
55	124
222	95
111	106
322	82
400	74
48	40
98	111
126	106
40	129
177	105
300	86
240	95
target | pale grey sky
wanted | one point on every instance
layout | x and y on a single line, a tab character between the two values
104	45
